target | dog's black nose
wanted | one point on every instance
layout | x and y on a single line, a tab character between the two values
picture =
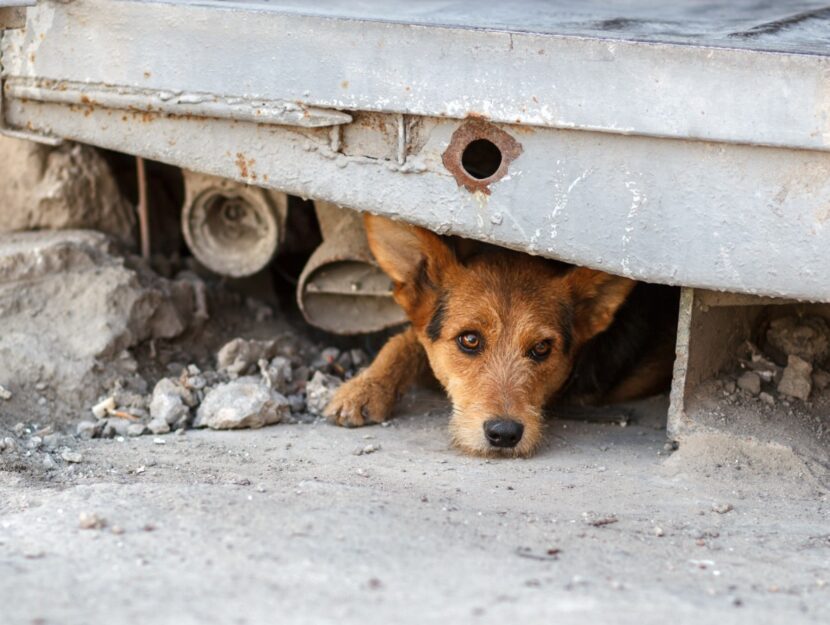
503	432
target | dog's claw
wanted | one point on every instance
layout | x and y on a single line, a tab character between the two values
360	401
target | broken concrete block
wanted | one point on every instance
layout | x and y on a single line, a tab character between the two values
70	307
61	188
796	381
241	403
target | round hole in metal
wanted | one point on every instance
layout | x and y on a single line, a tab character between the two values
481	159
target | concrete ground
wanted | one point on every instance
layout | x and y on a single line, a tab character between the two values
289	525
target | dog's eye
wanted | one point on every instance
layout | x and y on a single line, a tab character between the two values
469	342
540	351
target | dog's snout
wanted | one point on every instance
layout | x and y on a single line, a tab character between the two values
503	432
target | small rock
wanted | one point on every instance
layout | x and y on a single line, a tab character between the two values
158	426
116	427
821	379
52	441
750	382
767	398
722	508
168	402
136	429
359	358
277	374
49	463
9	444
103	408
296	402
87	429
159	441
729	386
330	355
658	531
241	403
34	442
5	393
345	361
240	356
320	391
368	449
796	381
91	521
72	456
599	520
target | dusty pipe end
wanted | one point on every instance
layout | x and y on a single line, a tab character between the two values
231	228
341	289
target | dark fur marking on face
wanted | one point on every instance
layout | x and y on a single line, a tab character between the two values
566	322
436	323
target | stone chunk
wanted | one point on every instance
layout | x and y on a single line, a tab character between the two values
320	391
168	402
796	381
240	356
750	382
241	403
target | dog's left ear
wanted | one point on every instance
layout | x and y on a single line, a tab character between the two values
408	254
597	296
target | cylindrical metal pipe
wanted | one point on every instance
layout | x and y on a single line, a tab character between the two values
232	228
341	288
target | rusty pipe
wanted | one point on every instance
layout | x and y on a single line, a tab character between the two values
341	288
231	228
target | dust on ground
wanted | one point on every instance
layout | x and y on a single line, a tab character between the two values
310	523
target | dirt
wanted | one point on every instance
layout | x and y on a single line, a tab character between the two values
288	523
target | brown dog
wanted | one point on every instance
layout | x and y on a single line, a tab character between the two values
506	333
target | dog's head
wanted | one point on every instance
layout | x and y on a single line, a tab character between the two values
501	329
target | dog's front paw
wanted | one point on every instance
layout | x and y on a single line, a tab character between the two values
360	401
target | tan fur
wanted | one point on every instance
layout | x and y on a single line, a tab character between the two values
512	301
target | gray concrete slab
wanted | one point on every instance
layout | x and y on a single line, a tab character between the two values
287	525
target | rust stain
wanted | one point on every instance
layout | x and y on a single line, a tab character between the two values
345	84
245	166
147	74
473	130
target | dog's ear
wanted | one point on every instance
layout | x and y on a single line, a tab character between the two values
597	296
408	254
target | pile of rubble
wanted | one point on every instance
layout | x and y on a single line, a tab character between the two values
792	365
255	383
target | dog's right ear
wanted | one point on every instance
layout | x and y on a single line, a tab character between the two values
410	255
